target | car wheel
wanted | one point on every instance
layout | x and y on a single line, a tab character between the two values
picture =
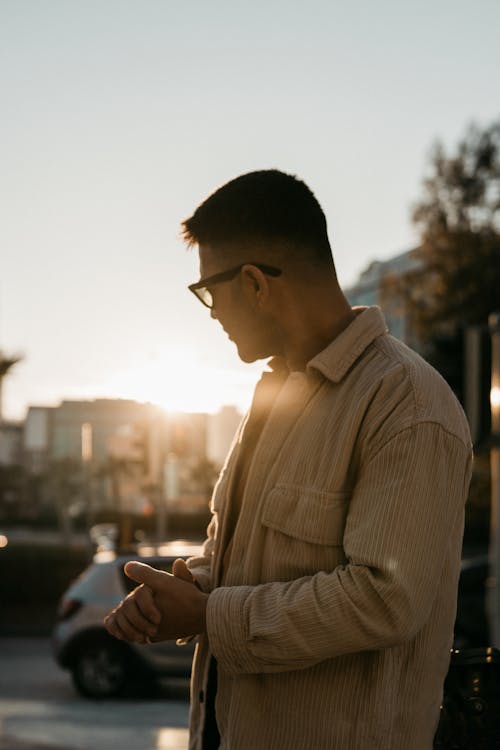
100	668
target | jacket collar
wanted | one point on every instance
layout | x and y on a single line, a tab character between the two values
339	356
336	359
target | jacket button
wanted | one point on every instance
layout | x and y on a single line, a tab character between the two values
201	696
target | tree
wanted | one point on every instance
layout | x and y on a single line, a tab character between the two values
64	479
120	471
12	483
462	194
6	364
204	473
457	282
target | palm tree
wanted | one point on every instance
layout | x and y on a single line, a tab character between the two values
65	481
115	470
6	363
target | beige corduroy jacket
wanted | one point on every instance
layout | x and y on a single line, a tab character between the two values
334	625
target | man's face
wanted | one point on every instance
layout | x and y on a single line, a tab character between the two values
235	311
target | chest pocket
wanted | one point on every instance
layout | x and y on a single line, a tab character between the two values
306	514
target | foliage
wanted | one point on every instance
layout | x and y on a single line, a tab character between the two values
459	220
205	473
462	194
64	482
6	363
12	479
115	470
457	279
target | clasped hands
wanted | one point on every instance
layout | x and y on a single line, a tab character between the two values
163	607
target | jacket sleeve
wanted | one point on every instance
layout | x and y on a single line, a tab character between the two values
407	505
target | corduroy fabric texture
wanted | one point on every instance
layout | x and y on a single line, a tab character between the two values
333	627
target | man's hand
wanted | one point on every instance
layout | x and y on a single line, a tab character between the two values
163	607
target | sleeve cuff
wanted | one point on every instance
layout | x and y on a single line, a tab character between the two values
227	629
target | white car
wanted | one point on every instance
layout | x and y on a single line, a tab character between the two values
102	666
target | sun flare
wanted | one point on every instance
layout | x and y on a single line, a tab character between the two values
179	382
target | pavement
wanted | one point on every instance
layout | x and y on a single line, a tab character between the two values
40	709
172	741
12	743
79	725
178	742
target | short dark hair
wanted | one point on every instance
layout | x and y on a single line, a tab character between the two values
262	206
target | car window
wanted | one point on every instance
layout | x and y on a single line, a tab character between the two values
161	563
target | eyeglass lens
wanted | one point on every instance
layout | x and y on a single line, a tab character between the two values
205	296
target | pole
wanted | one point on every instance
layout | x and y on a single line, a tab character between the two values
86	455
494	551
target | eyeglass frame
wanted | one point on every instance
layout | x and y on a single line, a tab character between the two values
202	285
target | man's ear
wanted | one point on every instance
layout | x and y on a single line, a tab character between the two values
255	285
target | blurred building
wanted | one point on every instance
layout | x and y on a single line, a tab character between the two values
11	443
37	437
187	435
130	456
186	475
372	289
222	427
73	428
11	472
105	416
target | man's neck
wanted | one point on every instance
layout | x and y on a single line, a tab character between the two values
309	340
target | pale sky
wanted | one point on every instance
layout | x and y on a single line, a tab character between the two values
119	117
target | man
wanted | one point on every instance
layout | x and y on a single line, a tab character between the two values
325	600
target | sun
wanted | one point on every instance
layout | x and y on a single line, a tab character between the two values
178	381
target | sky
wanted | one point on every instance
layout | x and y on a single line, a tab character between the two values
119	117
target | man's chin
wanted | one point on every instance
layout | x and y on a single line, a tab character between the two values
248	356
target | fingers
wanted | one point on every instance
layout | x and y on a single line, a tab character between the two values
142	573
118	626
164	607
136	618
181	570
144	598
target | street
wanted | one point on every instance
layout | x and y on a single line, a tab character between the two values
40	710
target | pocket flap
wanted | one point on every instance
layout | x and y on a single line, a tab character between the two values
307	514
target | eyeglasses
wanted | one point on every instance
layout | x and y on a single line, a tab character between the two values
202	287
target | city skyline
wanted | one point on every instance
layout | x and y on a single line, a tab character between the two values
121	117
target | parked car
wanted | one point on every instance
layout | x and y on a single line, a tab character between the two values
100	665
